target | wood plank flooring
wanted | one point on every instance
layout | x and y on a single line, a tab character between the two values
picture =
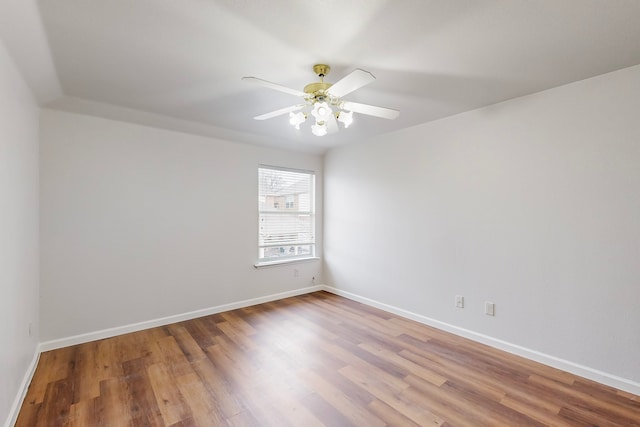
312	360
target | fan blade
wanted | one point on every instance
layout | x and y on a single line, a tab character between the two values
352	81
370	110
279	112
276	87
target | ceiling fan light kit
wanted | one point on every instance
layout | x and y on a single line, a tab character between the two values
320	96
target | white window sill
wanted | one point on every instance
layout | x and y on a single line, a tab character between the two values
284	261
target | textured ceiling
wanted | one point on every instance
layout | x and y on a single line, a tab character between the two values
178	64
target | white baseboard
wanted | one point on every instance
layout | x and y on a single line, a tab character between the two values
125	329
546	359
22	391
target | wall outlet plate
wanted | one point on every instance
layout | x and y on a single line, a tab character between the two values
459	301
489	308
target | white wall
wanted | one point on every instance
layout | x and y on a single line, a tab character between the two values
140	223
18	230
533	204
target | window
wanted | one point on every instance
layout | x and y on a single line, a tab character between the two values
289	203
286	214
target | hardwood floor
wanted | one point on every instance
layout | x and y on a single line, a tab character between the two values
312	360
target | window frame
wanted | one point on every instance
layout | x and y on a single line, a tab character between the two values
285	209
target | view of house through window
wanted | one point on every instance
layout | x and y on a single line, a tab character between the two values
286	214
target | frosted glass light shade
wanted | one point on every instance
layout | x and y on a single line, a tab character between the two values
321	111
296	119
319	130
346	117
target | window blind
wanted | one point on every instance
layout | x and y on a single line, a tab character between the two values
286	214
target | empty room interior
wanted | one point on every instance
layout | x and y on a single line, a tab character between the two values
301	213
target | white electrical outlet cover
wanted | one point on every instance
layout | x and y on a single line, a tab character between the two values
489	308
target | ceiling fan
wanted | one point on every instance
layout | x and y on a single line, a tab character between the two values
322	98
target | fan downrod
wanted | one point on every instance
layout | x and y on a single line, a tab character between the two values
318	89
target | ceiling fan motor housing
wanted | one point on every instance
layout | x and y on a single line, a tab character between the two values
319	89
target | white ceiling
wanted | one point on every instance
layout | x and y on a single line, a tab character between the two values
178	64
